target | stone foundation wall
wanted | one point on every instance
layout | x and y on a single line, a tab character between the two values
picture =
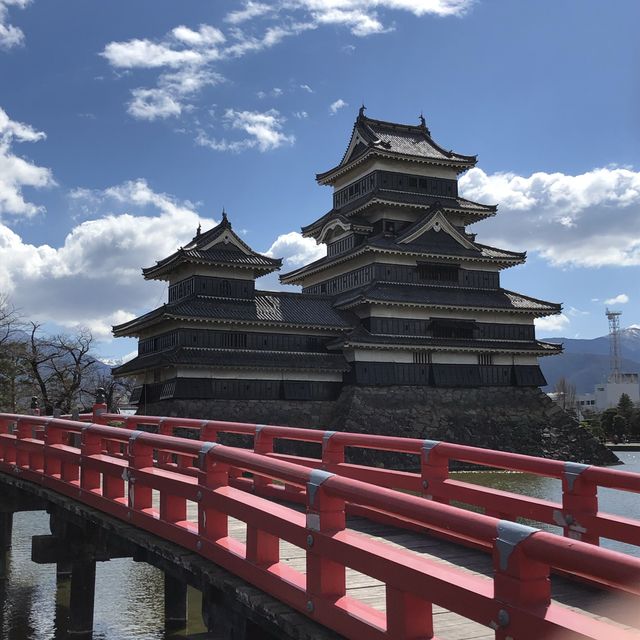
519	419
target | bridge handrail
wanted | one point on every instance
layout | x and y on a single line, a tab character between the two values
523	556
578	515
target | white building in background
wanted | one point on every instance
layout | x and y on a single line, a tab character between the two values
608	394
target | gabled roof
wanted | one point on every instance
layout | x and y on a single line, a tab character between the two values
430	246
353	211
437	222
218	246
393	140
275	308
442	297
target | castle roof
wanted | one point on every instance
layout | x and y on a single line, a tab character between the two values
266	308
353	211
360	337
218	246
393	140
235	359
443	297
426	248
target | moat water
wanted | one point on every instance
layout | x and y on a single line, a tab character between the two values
129	595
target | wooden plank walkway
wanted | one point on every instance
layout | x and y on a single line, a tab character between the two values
573	594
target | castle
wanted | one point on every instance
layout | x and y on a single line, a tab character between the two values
406	303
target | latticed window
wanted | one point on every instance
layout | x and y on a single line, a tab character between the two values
485	359
421	357
438	272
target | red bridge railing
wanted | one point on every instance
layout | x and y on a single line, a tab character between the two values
117	471
578	514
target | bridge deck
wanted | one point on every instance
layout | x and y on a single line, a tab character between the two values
447	625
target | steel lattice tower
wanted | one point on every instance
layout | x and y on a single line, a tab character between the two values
614	344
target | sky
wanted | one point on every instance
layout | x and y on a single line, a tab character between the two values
124	125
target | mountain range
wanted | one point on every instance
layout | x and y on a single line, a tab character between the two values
586	363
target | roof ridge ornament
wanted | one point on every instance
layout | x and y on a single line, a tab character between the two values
361	111
423	124
225	220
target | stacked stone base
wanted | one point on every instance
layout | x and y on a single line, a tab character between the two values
517	419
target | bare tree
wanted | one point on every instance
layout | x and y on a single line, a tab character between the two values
59	366
9	320
11	371
117	390
566	394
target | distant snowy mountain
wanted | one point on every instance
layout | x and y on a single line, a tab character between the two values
585	363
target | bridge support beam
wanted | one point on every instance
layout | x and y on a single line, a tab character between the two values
83	586
175	603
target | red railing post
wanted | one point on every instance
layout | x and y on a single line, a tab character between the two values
408	616
262	444
332	450
140	457
579	504
434	470
23	430
212	523
326	579
90	445
519	581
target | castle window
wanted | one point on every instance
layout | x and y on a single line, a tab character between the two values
225	288
422	357
438	272
449	328
485	359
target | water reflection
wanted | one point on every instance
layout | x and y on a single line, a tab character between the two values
129	602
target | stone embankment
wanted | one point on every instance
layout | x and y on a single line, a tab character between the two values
516	419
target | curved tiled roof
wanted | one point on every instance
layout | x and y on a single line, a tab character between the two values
361	336
394	139
443	297
475	210
235	358
385	244
268	307
200	250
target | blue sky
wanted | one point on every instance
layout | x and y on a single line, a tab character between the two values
124	124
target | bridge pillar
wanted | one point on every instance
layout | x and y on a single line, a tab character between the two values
222	617
175	603
6	529
83	585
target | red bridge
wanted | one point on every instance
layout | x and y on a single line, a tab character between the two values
358	552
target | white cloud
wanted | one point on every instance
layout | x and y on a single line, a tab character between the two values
251	10
552	324
295	249
16	172
361	17
301	115
622	298
586	220
10	36
263	128
334	107
195	52
94	278
151	104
